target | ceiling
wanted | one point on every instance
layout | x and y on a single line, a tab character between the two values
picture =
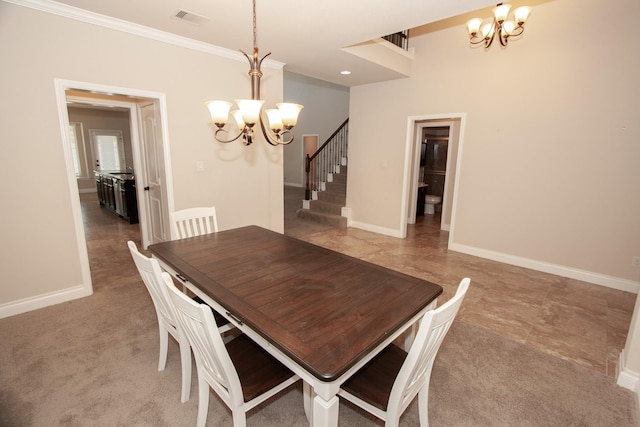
307	36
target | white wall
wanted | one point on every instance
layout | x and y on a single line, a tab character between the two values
549	156
245	183
326	106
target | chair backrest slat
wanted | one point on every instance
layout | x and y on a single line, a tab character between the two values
193	222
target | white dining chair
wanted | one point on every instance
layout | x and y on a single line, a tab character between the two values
240	372
151	274
193	222
388	383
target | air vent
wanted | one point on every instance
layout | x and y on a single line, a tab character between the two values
185	15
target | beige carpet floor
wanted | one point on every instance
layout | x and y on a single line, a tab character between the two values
93	362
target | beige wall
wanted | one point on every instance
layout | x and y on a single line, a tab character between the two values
326	106
37	227
549	157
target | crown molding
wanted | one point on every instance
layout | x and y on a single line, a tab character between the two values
88	17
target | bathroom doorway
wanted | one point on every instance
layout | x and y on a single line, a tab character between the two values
433	169
433	148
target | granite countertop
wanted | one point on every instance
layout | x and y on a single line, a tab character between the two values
117	174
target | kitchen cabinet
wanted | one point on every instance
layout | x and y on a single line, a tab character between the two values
117	193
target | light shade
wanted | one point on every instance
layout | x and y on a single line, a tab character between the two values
501	12
289	113
237	116
275	119
521	14
473	25
219	111
508	27
250	109
487	30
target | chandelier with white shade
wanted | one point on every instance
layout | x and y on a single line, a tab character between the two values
502	25
277	125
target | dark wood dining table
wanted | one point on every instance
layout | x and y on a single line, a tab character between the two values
322	313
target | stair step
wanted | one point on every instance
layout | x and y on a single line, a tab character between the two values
326	207
323	218
335	187
340	178
332	197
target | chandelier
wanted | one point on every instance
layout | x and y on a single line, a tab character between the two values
249	113
499	26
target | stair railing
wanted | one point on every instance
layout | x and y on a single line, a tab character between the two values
325	159
400	39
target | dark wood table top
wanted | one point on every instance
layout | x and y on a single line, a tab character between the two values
323	309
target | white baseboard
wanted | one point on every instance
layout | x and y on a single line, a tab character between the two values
629	380
559	270
294	184
626	378
373	228
29	304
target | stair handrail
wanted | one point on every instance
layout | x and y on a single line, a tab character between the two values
337	144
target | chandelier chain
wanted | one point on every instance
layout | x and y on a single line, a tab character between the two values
255	32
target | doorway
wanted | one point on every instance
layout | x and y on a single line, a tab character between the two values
445	172
133	100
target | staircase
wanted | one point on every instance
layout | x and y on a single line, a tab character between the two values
326	204
326	181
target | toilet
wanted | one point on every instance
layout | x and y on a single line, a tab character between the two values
430	202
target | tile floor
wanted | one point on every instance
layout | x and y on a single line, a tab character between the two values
577	321
574	320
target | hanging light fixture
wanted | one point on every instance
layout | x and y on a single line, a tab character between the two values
500	25
276	128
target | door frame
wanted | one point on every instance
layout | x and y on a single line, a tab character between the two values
61	86
415	124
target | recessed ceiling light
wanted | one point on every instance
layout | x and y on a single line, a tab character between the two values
345	72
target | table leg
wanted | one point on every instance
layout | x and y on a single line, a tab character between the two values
325	412
411	335
413	329
307	396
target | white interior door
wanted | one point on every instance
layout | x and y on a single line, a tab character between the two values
153	190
